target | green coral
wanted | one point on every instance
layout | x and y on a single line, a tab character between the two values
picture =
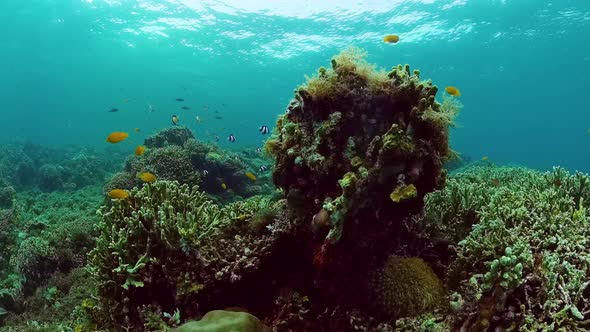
225	321
518	234
169	241
405	287
403	192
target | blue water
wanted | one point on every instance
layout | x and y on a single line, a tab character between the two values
522	67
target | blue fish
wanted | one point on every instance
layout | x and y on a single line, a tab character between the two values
231	138
258	150
263	168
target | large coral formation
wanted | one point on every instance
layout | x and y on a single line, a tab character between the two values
353	134
521	241
170	247
173	154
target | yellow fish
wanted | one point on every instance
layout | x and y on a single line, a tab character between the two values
391	39
147	177
118	194
453	91
224	186
137	130
117	136
139	150
484	158
174	120
251	176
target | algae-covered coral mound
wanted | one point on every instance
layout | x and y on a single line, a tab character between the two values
168	246
353	134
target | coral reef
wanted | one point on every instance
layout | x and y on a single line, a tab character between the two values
26	165
44	239
520	238
353	134
170	247
173	154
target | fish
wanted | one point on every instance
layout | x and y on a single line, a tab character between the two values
151	108
185	108
126	100
484	158
137	130
250	176
259	150
146	177
263	168
495	182
179	99
205	172
263	130
231	138
174	120
139	150
113	110
216	138
198	119
218	117
224	186
453	91
391	39
116	137
118	194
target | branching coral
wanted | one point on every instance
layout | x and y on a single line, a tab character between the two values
522	247
167	245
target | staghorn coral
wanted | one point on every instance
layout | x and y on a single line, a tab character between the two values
522	248
171	247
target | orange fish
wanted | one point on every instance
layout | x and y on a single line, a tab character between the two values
495	182
391	39
453	91
117	136
147	177
139	150
118	194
